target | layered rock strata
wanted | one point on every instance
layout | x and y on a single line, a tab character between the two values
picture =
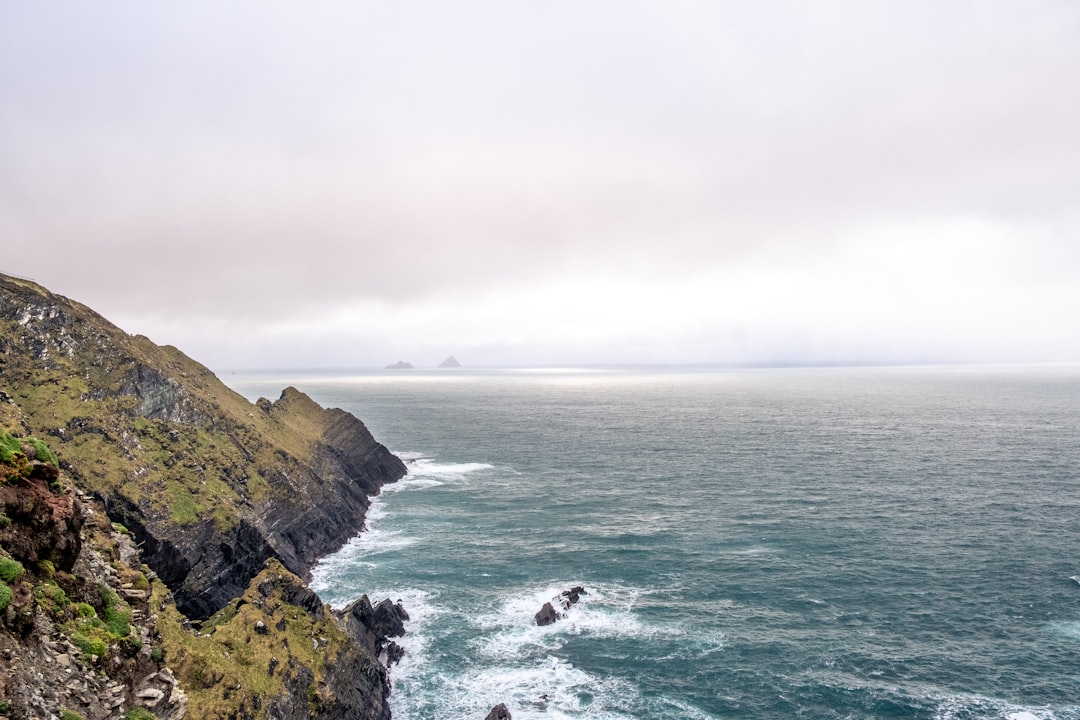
192	516
210	484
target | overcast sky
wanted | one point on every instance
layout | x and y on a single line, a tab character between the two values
268	184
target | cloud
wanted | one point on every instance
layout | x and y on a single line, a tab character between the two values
525	177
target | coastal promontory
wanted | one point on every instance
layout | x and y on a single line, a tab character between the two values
219	505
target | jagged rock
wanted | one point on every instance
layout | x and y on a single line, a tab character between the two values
389	618
386	619
450	362
499	712
294	592
394	654
567	598
547	615
372	626
571	596
150	697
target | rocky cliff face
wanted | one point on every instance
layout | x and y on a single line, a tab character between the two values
217	492
76	631
211	484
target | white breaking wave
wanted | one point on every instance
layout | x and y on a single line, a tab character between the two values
607	612
424	472
354	557
1069	629
549	689
422	610
964	707
420	464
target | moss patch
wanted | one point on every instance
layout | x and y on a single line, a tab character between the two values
13	461
10	570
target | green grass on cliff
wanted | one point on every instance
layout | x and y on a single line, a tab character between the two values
227	453
10	570
97	633
230	651
15	460
9	448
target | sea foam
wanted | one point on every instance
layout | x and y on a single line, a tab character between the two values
425	471
965	707
548	689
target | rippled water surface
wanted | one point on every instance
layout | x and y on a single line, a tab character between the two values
833	543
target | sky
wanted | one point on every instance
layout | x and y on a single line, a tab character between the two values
347	184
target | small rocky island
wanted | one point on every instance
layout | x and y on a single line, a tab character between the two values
400	365
548	615
450	362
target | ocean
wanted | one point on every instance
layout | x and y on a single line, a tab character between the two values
755	543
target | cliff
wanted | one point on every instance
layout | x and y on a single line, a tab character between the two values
78	637
216	493
210	484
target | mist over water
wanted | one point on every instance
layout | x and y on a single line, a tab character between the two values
840	543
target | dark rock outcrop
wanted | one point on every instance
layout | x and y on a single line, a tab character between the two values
372	626
350	682
499	712
570	597
567	598
394	653
546	615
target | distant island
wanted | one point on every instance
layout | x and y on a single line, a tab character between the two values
450	362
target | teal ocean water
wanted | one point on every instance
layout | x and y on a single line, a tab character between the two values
792	543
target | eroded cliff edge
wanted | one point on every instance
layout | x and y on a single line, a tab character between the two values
210	484
216	491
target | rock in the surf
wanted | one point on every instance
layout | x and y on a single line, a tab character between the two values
571	596
388	618
547	615
499	712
